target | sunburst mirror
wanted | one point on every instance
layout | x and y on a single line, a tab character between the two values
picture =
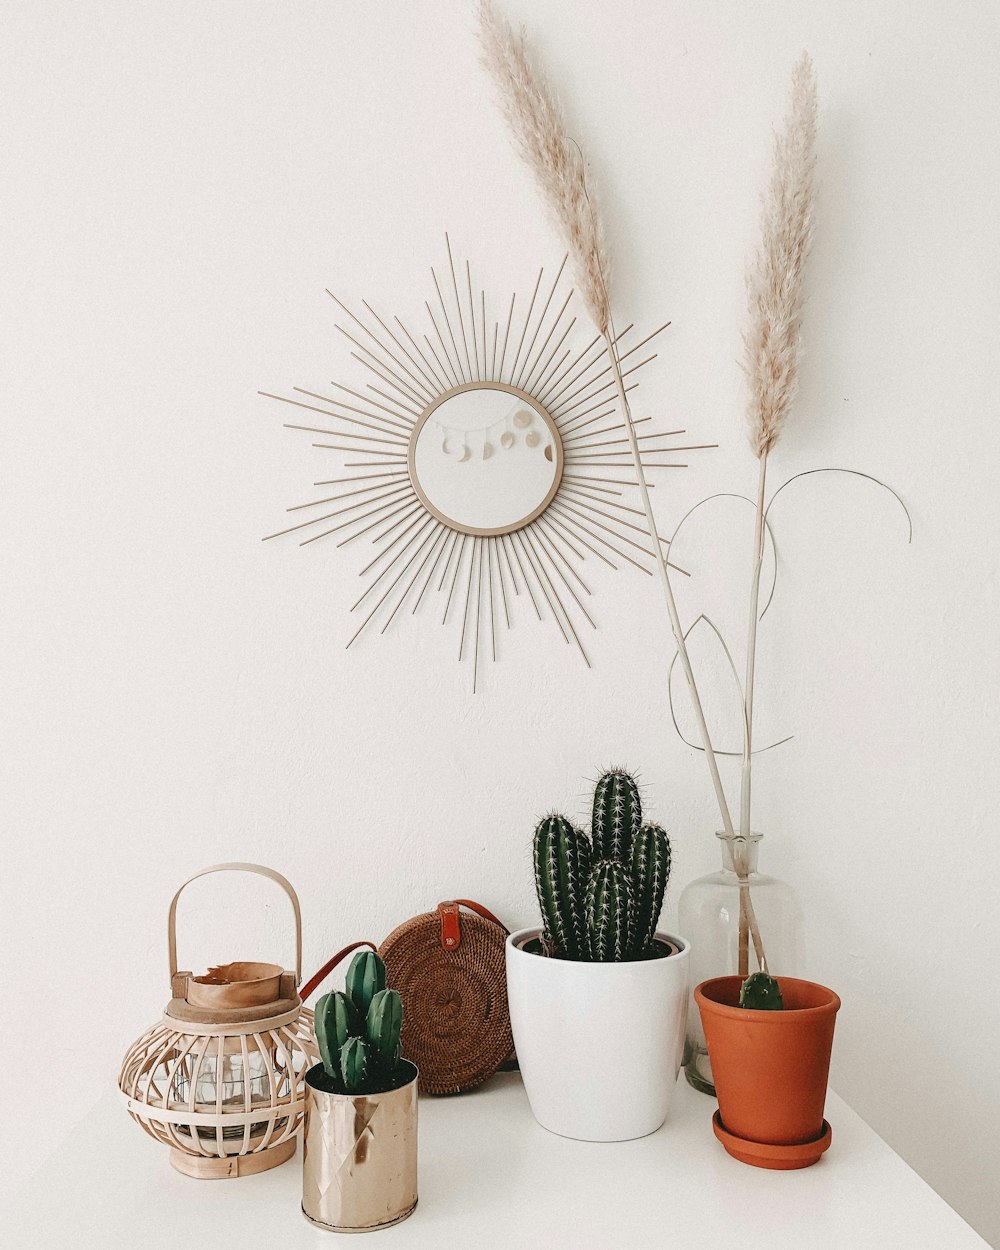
485	460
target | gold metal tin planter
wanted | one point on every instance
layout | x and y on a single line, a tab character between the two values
359	1166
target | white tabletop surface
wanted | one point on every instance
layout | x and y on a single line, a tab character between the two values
491	1177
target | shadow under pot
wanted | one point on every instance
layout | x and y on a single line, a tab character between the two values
770	1070
359	1161
599	1045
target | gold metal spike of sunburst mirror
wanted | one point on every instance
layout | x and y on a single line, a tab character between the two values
485	460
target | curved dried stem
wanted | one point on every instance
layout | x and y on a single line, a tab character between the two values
673	711
728	494
853	473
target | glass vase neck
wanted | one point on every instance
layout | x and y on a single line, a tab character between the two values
739	854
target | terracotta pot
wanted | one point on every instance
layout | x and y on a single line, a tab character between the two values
770	1070
599	1045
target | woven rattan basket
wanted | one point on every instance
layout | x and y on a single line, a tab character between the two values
449	968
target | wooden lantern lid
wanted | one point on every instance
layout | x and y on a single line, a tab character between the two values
192	1004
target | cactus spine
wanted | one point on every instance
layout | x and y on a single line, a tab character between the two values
601	896
357	1033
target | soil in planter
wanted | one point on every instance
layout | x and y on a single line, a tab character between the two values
661	950
317	1077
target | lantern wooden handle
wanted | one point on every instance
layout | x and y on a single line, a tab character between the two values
261	871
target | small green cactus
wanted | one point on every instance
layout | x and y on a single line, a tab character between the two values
760	992
601	896
360	1048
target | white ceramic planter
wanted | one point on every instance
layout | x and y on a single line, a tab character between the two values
599	1045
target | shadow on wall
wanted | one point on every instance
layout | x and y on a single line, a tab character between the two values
894	1075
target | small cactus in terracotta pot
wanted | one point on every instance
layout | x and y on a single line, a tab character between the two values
769	1041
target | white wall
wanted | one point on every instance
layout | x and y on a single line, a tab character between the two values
182	181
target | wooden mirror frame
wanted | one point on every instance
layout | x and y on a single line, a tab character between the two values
528	401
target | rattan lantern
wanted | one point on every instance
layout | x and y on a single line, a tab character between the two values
220	1078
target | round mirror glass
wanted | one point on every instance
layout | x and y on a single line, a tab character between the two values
485	458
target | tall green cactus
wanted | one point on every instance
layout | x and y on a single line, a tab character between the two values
601	897
609	912
650	871
562	866
359	1045
617	816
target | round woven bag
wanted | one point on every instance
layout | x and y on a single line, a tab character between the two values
449	968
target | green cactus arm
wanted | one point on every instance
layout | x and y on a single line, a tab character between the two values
650	872
617	816
365	977
562	864
383	1026
326	1053
760	992
326	1035
346	1021
354	1064
609	907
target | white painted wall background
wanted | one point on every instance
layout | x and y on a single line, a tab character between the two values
181	182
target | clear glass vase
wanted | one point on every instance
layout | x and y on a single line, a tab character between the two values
732	918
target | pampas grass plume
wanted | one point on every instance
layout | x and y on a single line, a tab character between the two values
539	130
775	279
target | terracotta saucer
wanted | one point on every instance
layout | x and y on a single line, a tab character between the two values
778	1158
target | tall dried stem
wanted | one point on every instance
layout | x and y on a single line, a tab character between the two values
772	343
539	131
661	566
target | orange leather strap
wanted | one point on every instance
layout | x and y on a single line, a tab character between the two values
328	967
451	927
480	910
